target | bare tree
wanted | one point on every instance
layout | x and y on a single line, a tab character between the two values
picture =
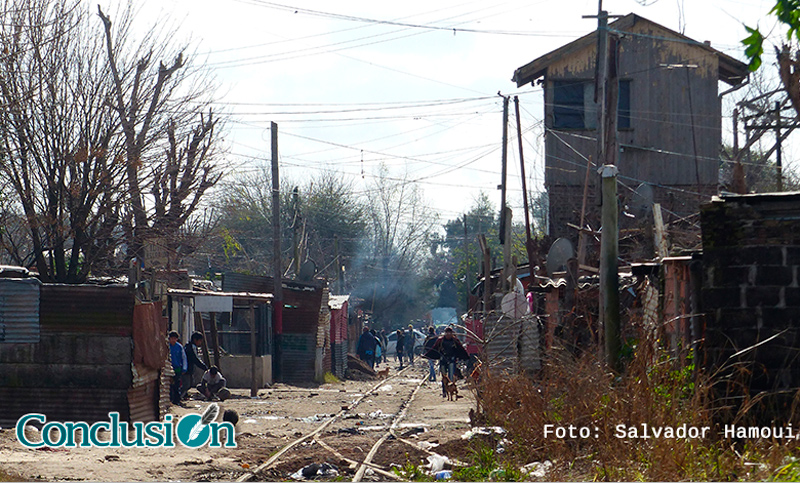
76	178
59	151
169	141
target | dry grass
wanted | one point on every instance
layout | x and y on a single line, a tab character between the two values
655	390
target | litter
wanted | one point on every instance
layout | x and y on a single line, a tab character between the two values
537	469
483	431
350	431
443	475
315	418
250	421
314	470
386	388
501	446
427	445
437	462
413	431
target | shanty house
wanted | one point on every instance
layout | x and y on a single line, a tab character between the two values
668	118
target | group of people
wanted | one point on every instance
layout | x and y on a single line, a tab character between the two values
372	346
184	362
446	349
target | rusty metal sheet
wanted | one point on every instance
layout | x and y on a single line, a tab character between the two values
339	360
143	401
86	309
62	404
19	310
149	336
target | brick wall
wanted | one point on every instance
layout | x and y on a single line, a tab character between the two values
751	254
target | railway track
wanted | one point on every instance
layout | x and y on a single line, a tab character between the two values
398	407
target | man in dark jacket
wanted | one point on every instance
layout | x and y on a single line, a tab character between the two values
447	349
428	344
366	347
400	346
410	343
192	361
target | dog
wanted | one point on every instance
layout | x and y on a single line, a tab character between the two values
450	388
383	373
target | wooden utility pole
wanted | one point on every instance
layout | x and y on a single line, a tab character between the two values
502	230
198	324
487	273
253	351
296	220
215	337
277	274
528	237
504	283
778	144
466	261
340	287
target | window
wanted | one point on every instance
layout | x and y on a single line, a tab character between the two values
574	106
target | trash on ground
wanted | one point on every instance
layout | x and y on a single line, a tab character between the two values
427	445
250	421
350	431
483	431
385	388
315	418
315	470
437	462
413	431
537	469
443	475
501	446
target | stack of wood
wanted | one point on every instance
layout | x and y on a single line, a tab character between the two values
356	365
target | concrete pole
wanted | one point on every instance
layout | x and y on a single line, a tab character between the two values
609	277
277	273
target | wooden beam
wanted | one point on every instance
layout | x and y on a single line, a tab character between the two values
215	338
253	352
198	324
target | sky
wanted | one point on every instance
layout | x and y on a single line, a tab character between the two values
413	85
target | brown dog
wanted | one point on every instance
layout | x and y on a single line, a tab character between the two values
450	388
383	373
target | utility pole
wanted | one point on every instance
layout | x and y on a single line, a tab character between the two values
340	287
528	238
609	278
296	220
277	274
466	260
502	229
606	98
779	160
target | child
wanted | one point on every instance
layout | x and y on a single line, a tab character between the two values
212	385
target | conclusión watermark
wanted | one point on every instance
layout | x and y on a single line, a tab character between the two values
192	431
683	431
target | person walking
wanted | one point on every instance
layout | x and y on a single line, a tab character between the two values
366	347
400	347
430	339
410	343
379	348
385	340
448	350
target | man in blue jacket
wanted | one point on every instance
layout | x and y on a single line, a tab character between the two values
179	365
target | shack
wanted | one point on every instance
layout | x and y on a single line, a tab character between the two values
78	352
305	326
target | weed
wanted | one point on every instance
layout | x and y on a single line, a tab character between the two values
329	378
412	472
656	389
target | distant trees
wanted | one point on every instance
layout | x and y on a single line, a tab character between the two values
100	148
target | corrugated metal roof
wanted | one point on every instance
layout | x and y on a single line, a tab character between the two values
19	310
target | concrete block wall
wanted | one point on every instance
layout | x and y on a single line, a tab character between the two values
751	290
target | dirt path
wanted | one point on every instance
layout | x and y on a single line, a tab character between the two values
279	416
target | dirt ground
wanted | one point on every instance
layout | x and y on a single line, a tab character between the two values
279	415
